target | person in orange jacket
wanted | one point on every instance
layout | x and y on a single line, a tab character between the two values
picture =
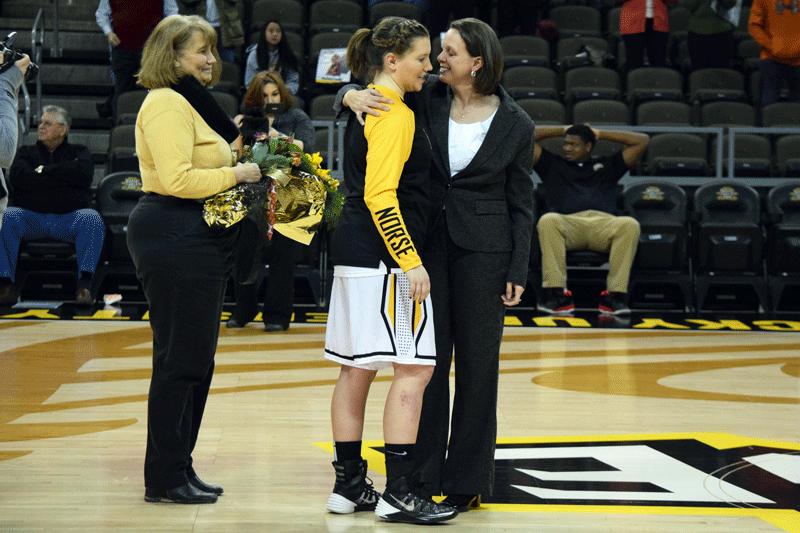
644	25
775	25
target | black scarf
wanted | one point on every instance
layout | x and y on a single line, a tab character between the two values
204	103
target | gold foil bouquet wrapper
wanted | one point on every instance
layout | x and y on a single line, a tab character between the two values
229	207
299	207
255	200
291	198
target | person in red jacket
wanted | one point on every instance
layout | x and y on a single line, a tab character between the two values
776	27
644	25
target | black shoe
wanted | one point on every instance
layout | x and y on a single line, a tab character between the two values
233	323
402	503
412	508
613	303
463	502
272	328
205	487
83	297
187	493
559	302
8	295
353	489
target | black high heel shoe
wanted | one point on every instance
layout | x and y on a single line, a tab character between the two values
463	502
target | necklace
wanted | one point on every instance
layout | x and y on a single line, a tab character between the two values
465	110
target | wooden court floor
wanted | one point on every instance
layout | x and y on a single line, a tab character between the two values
659	430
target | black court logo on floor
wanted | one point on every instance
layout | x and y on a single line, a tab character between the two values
681	472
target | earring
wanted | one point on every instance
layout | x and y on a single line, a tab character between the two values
474	73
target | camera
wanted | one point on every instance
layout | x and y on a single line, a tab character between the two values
273	109
12	55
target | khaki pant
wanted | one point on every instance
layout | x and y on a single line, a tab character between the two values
587	230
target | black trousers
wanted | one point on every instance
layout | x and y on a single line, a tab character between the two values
279	294
439	12
655	42
710	51
522	15
468	315
125	64
184	266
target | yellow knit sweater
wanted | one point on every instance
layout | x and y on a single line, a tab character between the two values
179	154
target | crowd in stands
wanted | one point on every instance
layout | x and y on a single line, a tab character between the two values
688	35
638	62
566	61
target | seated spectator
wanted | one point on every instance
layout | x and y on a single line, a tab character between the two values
50	191
268	88
272	52
580	196
776	28
644	25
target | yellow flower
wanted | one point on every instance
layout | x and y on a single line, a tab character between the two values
316	160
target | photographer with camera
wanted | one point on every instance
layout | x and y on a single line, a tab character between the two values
12	73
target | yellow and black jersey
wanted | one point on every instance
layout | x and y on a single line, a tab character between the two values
386	169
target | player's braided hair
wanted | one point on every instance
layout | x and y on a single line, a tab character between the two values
367	48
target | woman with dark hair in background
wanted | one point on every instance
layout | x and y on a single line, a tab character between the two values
272	52
183	139
476	251
267	88
379	316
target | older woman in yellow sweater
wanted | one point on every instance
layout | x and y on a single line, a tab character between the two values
183	141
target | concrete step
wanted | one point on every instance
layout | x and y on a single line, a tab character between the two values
89	46
26	23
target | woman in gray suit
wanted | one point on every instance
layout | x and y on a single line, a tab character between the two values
476	251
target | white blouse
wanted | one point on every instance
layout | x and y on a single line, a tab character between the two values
464	141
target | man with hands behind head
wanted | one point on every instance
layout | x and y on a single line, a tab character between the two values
580	196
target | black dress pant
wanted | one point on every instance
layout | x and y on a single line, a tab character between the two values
184	266
468	315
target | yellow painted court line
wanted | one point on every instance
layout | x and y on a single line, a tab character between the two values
720	441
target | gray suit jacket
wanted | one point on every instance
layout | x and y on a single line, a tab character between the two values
489	204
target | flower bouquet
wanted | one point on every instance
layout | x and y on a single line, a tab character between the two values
293	197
